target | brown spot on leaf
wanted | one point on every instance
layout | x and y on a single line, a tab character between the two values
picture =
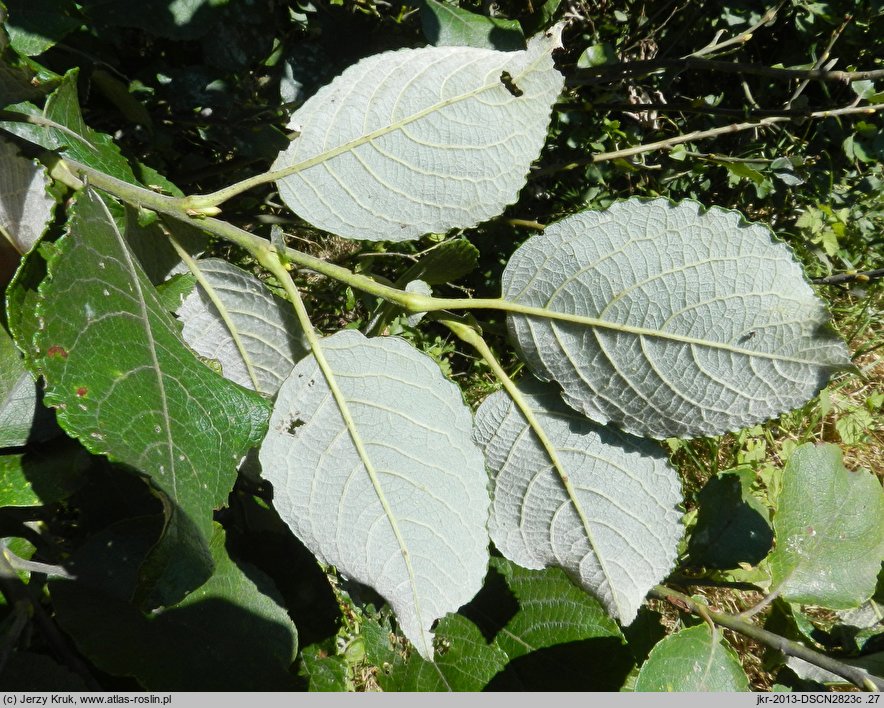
82	391
57	351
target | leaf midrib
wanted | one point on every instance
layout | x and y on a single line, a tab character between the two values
397	125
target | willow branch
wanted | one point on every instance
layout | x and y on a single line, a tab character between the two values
854	675
703	135
742	38
613	72
17	592
863	276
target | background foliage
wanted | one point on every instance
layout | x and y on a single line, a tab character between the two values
197	94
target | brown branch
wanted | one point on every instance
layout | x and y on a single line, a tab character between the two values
863	276
858	677
743	37
702	135
17	592
612	72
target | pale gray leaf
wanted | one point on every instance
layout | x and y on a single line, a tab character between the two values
616	536
25	206
420	140
271	339
403	509
669	320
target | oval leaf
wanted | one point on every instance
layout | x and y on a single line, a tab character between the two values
694	659
615	532
420	140
668	320
127	386
388	487
828	552
253	334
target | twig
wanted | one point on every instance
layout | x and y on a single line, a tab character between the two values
759	606
854	675
715	45
611	72
863	276
16	591
705	110
702	135
821	60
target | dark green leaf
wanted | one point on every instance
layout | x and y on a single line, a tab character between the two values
181	20
552	610
464	661
448	261
229	634
80	142
36	25
43	476
542	18
731	525
323	672
127	386
446	24
28	671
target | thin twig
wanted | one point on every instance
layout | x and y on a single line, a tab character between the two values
821	60
715	45
704	110
863	276
854	675
606	73
701	135
16	591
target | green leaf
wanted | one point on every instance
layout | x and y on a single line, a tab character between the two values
229	634
552	610
464	662
828	552
741	170
127	387
446	141
694	659
446	24
614	527
28	671
26	208
43	476
80	143
323	672
36	25
179	20
542	17
375	472
597	55
669	320
732	525
253	334
448	261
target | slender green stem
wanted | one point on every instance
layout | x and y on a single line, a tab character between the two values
411	302
854	675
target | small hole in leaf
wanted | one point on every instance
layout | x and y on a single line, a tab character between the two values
294	425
